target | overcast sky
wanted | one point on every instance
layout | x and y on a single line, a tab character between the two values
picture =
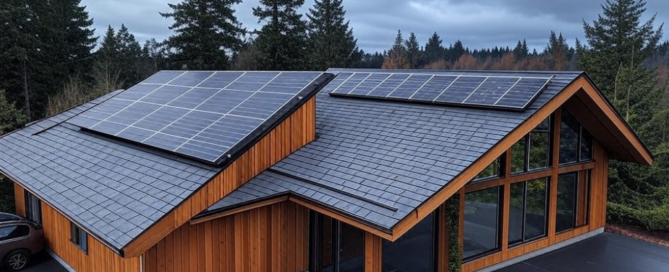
477	23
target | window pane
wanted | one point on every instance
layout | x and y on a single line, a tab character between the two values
566	202
352	249
413	251
326	243
481	222
493	170
516	213
535	209
6	232
539	150
518	156
586	146
569	129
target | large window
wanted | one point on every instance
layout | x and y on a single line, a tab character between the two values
335	246
482	222
528	210
79	237
532	152
572	201
575	141
33	209
414	251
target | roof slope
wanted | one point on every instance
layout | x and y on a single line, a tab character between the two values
112	189
390	156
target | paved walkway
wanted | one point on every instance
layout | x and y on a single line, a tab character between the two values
603	253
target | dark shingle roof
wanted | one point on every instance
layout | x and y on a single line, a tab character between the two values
112	189
391	153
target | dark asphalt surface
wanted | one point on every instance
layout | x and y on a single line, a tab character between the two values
603	253
41	262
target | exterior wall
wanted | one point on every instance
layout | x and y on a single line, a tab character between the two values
293	133
57	234
269	238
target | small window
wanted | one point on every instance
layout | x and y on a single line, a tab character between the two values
13	232
575	141
532	152
79	237
33	208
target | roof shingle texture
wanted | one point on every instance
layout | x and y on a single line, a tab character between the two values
387	154
112	189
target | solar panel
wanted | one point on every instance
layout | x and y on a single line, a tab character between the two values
206	115
472	90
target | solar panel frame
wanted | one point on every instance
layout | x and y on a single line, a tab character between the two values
177	138
419	95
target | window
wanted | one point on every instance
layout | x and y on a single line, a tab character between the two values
13	232
482	221
532	152
414	251
79	237
572	200
33	208
575	141
528	210
335	246
494	170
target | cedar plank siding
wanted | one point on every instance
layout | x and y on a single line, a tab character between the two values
57	234
269	238
296	131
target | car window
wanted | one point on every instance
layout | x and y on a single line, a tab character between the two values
9	217
11	232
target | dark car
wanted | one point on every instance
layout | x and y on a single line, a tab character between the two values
19	239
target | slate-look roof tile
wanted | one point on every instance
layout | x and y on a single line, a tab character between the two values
107	187
395	154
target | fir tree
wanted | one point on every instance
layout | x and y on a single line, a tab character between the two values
281	42
204	31
396	58
413	50
557	51
434	50
331	39
10	117
109	46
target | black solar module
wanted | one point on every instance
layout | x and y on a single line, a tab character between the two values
203	115
501	92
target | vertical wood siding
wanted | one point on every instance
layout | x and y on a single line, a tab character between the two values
270	238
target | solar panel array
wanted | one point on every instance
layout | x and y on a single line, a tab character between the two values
503	92
198	114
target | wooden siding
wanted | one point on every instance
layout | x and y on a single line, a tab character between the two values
269	238
293	133
57	233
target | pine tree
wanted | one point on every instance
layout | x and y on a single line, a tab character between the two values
413	50
331	41
109	46
396	58
434	51
281	42
617	46
557	51
129	60
204	31
10	117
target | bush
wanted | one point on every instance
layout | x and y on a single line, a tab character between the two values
656	219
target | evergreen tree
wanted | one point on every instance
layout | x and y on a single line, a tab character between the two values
521	50
281	42
456	51
154	55
204	31
331	40
11	118
617	46
396	58
557	51
129	60
434	51
109	46
413	50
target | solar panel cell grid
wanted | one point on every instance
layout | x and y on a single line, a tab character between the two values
198	114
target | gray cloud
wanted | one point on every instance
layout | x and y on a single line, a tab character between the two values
477	23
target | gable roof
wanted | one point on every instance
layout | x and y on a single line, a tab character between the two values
377	162
112	188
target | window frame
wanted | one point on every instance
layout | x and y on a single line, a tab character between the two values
579	143
33	207
316	239
79	237
547	193
527	147
498	227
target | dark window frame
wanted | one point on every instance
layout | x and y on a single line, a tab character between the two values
579	143
316	239
498	228
33	207
79	237
528	147
523	239
501	161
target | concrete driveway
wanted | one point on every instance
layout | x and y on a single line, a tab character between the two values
606	252
42	262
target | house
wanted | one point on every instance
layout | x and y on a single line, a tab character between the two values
348	170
